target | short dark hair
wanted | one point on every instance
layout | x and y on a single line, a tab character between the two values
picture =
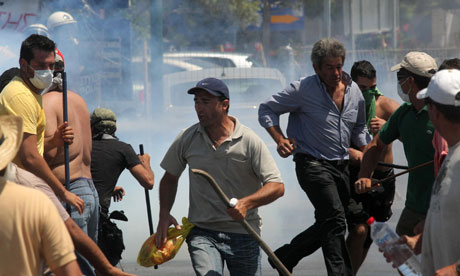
450	112
453	63
421	81
35	41
364	69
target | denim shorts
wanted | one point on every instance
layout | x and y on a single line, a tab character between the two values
209	250
88	221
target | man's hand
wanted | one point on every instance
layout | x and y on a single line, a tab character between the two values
145	159
118	193
64	133
286	146
239	211
363	185
162	229
450	270
414	243
74	200
376	124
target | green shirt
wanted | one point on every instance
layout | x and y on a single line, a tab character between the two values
416	133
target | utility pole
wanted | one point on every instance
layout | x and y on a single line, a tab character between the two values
156	59
327	17
266	31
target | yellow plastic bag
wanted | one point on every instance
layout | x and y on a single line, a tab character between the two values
150	255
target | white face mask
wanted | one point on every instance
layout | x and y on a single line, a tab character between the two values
42	79
402	95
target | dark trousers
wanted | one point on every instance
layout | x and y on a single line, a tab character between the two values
326	185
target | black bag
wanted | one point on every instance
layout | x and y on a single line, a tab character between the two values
110	240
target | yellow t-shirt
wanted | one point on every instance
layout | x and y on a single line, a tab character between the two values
17	99
31	232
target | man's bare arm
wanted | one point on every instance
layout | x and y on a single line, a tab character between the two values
388	106
89	249
265	195
34	163
371	156
69	269
168	190
285	146
143	172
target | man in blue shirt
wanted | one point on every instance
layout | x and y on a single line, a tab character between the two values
327	113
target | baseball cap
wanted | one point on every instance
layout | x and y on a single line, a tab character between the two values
444	88
212	85
419	63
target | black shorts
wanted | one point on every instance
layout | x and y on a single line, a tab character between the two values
375	204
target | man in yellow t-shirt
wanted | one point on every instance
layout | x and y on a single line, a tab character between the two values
22	97
32	230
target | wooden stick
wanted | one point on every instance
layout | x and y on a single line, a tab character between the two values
245	223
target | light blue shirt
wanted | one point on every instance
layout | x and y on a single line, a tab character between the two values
315	122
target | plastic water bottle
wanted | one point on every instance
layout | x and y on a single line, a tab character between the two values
402	256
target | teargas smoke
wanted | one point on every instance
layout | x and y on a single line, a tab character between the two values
108	63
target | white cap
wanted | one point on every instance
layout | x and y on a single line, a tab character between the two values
444	88
419	63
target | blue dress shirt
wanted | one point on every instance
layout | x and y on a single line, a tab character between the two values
318	126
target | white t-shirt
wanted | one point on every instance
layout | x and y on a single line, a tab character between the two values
441	238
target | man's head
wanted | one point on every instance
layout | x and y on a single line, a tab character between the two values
212	100
103	121
36	61
414	73
442	96
328	56
7	76
59	67
453	63
10	138
364	74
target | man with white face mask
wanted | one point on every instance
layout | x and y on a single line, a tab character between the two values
22	97
411	124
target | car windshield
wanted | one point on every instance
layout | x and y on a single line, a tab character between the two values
242	91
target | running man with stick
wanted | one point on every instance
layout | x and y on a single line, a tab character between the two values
239	160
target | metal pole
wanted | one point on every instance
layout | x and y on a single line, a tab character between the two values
66	119
279	265
403	172
147	201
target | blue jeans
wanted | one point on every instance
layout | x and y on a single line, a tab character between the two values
89	220
210	249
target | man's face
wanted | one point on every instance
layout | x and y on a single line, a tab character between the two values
331	71
208	108
42	60
366	83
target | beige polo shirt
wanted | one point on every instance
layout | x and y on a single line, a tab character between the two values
240	165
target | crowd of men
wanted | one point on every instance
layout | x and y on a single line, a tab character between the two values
340	131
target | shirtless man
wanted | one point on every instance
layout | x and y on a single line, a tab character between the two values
80	172
377	204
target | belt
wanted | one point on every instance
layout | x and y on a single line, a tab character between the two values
308	157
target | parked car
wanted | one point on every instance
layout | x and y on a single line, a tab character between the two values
248	88
214	59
